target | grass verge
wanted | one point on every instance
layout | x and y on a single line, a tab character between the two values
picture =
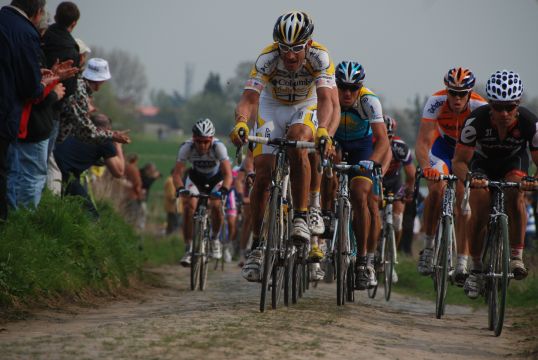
520	293
57	250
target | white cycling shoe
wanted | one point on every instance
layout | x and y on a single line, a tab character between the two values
216	249
315	219
300	232
252	269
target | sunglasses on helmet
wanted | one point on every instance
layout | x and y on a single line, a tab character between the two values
294	48
458	93
350	87
500	107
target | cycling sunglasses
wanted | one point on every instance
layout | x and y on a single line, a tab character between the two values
295	48
350	87
458	93
500	107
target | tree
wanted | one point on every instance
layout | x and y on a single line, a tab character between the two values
235	85
212	84
128	74
207	105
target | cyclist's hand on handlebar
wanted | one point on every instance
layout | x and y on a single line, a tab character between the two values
321	133
239	134
182	192
431	173
221	193
479	181
366	165
528	183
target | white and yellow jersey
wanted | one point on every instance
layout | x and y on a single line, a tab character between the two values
270	78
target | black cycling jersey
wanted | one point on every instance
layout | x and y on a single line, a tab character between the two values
401	155
493	157
479	132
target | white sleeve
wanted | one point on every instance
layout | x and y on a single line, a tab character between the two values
184	152
432	107
372	108
221	152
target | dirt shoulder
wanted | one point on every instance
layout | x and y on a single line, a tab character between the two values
171	322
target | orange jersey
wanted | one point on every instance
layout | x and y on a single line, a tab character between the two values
448	122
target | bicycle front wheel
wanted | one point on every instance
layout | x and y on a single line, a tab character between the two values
441	266
204	262
342	249
196	260
498	276
271	238
388	260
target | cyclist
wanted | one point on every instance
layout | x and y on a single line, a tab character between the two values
493	143
361	119
442	120
231	212
211	172
291	86
392	180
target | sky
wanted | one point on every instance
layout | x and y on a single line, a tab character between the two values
406	47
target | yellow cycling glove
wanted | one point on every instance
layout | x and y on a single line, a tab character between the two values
235	135
322	133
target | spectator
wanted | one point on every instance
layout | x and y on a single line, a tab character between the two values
135	195
75	115
74	157
28	155
148	174
54	176
21	77
171	205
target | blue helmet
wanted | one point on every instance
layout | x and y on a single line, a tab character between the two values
349	72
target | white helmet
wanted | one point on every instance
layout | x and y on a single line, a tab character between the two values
203	128
504	85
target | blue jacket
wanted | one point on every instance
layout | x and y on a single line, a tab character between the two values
20	74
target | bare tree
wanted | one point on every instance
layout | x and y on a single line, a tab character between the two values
128	74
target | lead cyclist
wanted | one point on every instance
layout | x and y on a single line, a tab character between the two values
291	86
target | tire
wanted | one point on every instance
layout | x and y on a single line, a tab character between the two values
500	265
342	251
288	274
441	267
270	242
388	261
296	280
204	261
196	250
350	282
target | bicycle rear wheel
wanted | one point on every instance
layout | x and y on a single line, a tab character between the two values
388	260
498	282
342	251
270	241
441	266
296	287
288	273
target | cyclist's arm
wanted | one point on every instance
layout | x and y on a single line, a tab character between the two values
247	106
534	156
385	162
462	157
426	135
177	175
335	120
382	146
326	107
410	171
226	171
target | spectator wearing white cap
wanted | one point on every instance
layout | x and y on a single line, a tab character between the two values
75	119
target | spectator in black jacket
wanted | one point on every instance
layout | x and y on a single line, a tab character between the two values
21	78
28	155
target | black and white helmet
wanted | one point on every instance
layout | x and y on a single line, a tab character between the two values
293	28
203	128
504	85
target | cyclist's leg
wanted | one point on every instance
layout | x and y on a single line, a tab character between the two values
432	212
315	218
516	211
373	235
328	194
462	243
189	206
360	187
